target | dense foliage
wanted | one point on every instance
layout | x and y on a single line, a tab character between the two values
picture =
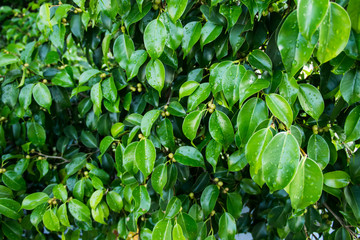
180	119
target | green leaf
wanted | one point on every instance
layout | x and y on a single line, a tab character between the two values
231	13
189	156
25	96
96	198
352	125
280	160
352	196
154	38
117	128
145	156
336	179
295	50
104	145
114	201
349	86
197	97
7	59
217	74
208	199
259	59
88	139
176	109
42	95
13	180
79	189
123	50
129	159
87	75
289	89
62	79
109	89
191	124
250	85
280	108
148	121
155	74
188	225
96	96
354	14
231	83
159	178
306	187
60	192
227	227
252	113
79	211
162	230
318	150
175	31
36	133
176	8
209	33
221	129
187	88
37	214
192	32
142	199
234	204
212	153
334	33
310	18
62	215
33	200
255	147
165	133
177	233
311	100
343	234
5	192
51	221
173	208
10	208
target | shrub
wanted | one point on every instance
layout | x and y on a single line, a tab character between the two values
180	119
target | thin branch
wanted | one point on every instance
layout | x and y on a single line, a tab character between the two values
64	160
352	233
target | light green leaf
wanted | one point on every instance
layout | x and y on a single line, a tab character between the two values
349	86
7	59
255	147
189	156
227	227
51	221
36	133
175	31
62	79
295	50
280	160
114	201
306	187
155	74
123	50
10	208
352	125
208	199
310	14
129	159
159	178
42	95
79	210
148	121
96	96
109	89
334	33
162	230
192	32
62	215
234	204
318	150
280	108
187	88
252	113
137	59
145	156
336	179
354	14
142	199
176	8
96	198
60	192
87	75
209	33
212	153
197	97
191	124
173	208
25	96
311	100
231	82
154	38
250	85
231	13
178	233
259	59
165	133
221	129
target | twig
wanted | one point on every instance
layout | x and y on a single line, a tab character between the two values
54	157
352	233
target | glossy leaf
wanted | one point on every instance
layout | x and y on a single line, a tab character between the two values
350	86
191	124
42	95
318	150
159	178
227	226
280	108
352	125
280	160
176	8
148	120
208	199
187	88
192	32
155	74
154	38
311	100
189	156
145	156
221	129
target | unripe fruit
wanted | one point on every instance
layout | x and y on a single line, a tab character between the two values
133	89
220	184
157	1
212	213
44	81
26	65
140	136
139	89
211	110
123	29
171	155
216	180
27	156
139	85
315	128
86	173
191	195
155	6
166	107
212	106
163	114
167	113
103	75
